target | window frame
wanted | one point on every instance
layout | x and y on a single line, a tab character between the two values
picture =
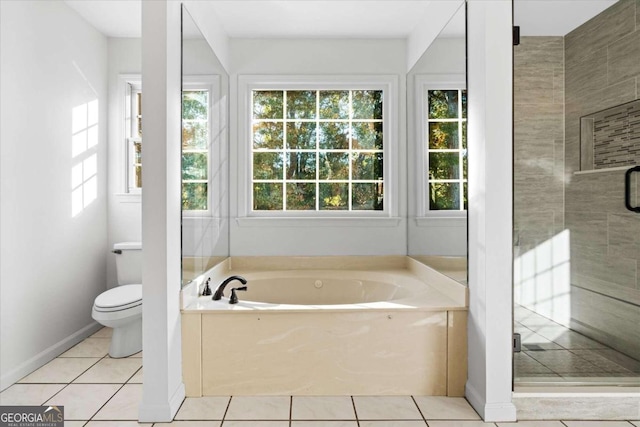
211	83
127	84
424	83
387	83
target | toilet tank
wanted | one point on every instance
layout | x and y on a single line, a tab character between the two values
128	262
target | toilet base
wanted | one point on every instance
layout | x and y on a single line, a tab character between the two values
126	340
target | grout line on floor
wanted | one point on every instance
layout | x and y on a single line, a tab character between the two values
419	410
105	404
353	402
224	416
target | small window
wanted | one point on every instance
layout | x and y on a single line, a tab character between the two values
317	150
445	132
196	140
195	149
134	137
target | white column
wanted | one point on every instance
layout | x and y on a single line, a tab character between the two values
163	390
489	60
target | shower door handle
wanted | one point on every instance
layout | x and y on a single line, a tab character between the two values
627	189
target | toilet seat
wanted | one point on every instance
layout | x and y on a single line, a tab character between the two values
118	299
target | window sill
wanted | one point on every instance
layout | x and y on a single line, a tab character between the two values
441	221
318	222
129	197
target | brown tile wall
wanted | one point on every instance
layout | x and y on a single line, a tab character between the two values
602	66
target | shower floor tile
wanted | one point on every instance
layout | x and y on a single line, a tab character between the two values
559	353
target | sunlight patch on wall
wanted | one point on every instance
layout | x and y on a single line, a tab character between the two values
542	279
84	142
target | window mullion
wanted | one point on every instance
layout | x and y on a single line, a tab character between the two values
284	152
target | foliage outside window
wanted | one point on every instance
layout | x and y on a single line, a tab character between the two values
447	150
195	149
195	146
317	150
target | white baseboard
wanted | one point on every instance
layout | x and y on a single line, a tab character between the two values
489	412
47	355
161	412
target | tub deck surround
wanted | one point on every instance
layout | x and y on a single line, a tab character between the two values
414	342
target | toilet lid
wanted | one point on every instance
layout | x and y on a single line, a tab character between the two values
119	298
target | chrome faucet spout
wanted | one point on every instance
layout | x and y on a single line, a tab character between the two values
219	293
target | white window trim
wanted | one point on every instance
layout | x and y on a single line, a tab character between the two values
211	83
386	217
424	216
125	195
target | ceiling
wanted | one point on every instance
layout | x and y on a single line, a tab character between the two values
339	18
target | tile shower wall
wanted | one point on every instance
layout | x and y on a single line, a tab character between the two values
602	66
538	165
539	140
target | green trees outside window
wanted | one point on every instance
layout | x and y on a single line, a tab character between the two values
195	150
447	149
317	150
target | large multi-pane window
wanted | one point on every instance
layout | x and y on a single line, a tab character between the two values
195	149
446	127
317	150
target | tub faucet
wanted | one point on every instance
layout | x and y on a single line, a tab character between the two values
219	293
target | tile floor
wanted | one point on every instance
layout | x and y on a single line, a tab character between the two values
552	352
98	391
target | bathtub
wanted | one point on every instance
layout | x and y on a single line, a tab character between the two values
326	326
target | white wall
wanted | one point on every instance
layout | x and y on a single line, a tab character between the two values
434	236
318	57
53	64
125	215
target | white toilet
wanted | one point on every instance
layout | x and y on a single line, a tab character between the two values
120	308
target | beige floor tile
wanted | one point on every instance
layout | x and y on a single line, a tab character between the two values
258	408
635	423
445	408
117	424
103	333
74	423
203	408
393	423
255	424
60	370
460	424
596	423
109	370
137	378
82	401
319	423
90	347
322	408
124	405
190	424
386	408
29	394
532	424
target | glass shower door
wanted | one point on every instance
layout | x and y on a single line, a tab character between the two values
576	221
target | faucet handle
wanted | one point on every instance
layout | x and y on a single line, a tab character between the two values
234	297
207	290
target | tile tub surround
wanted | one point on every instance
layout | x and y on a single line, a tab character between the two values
344	349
